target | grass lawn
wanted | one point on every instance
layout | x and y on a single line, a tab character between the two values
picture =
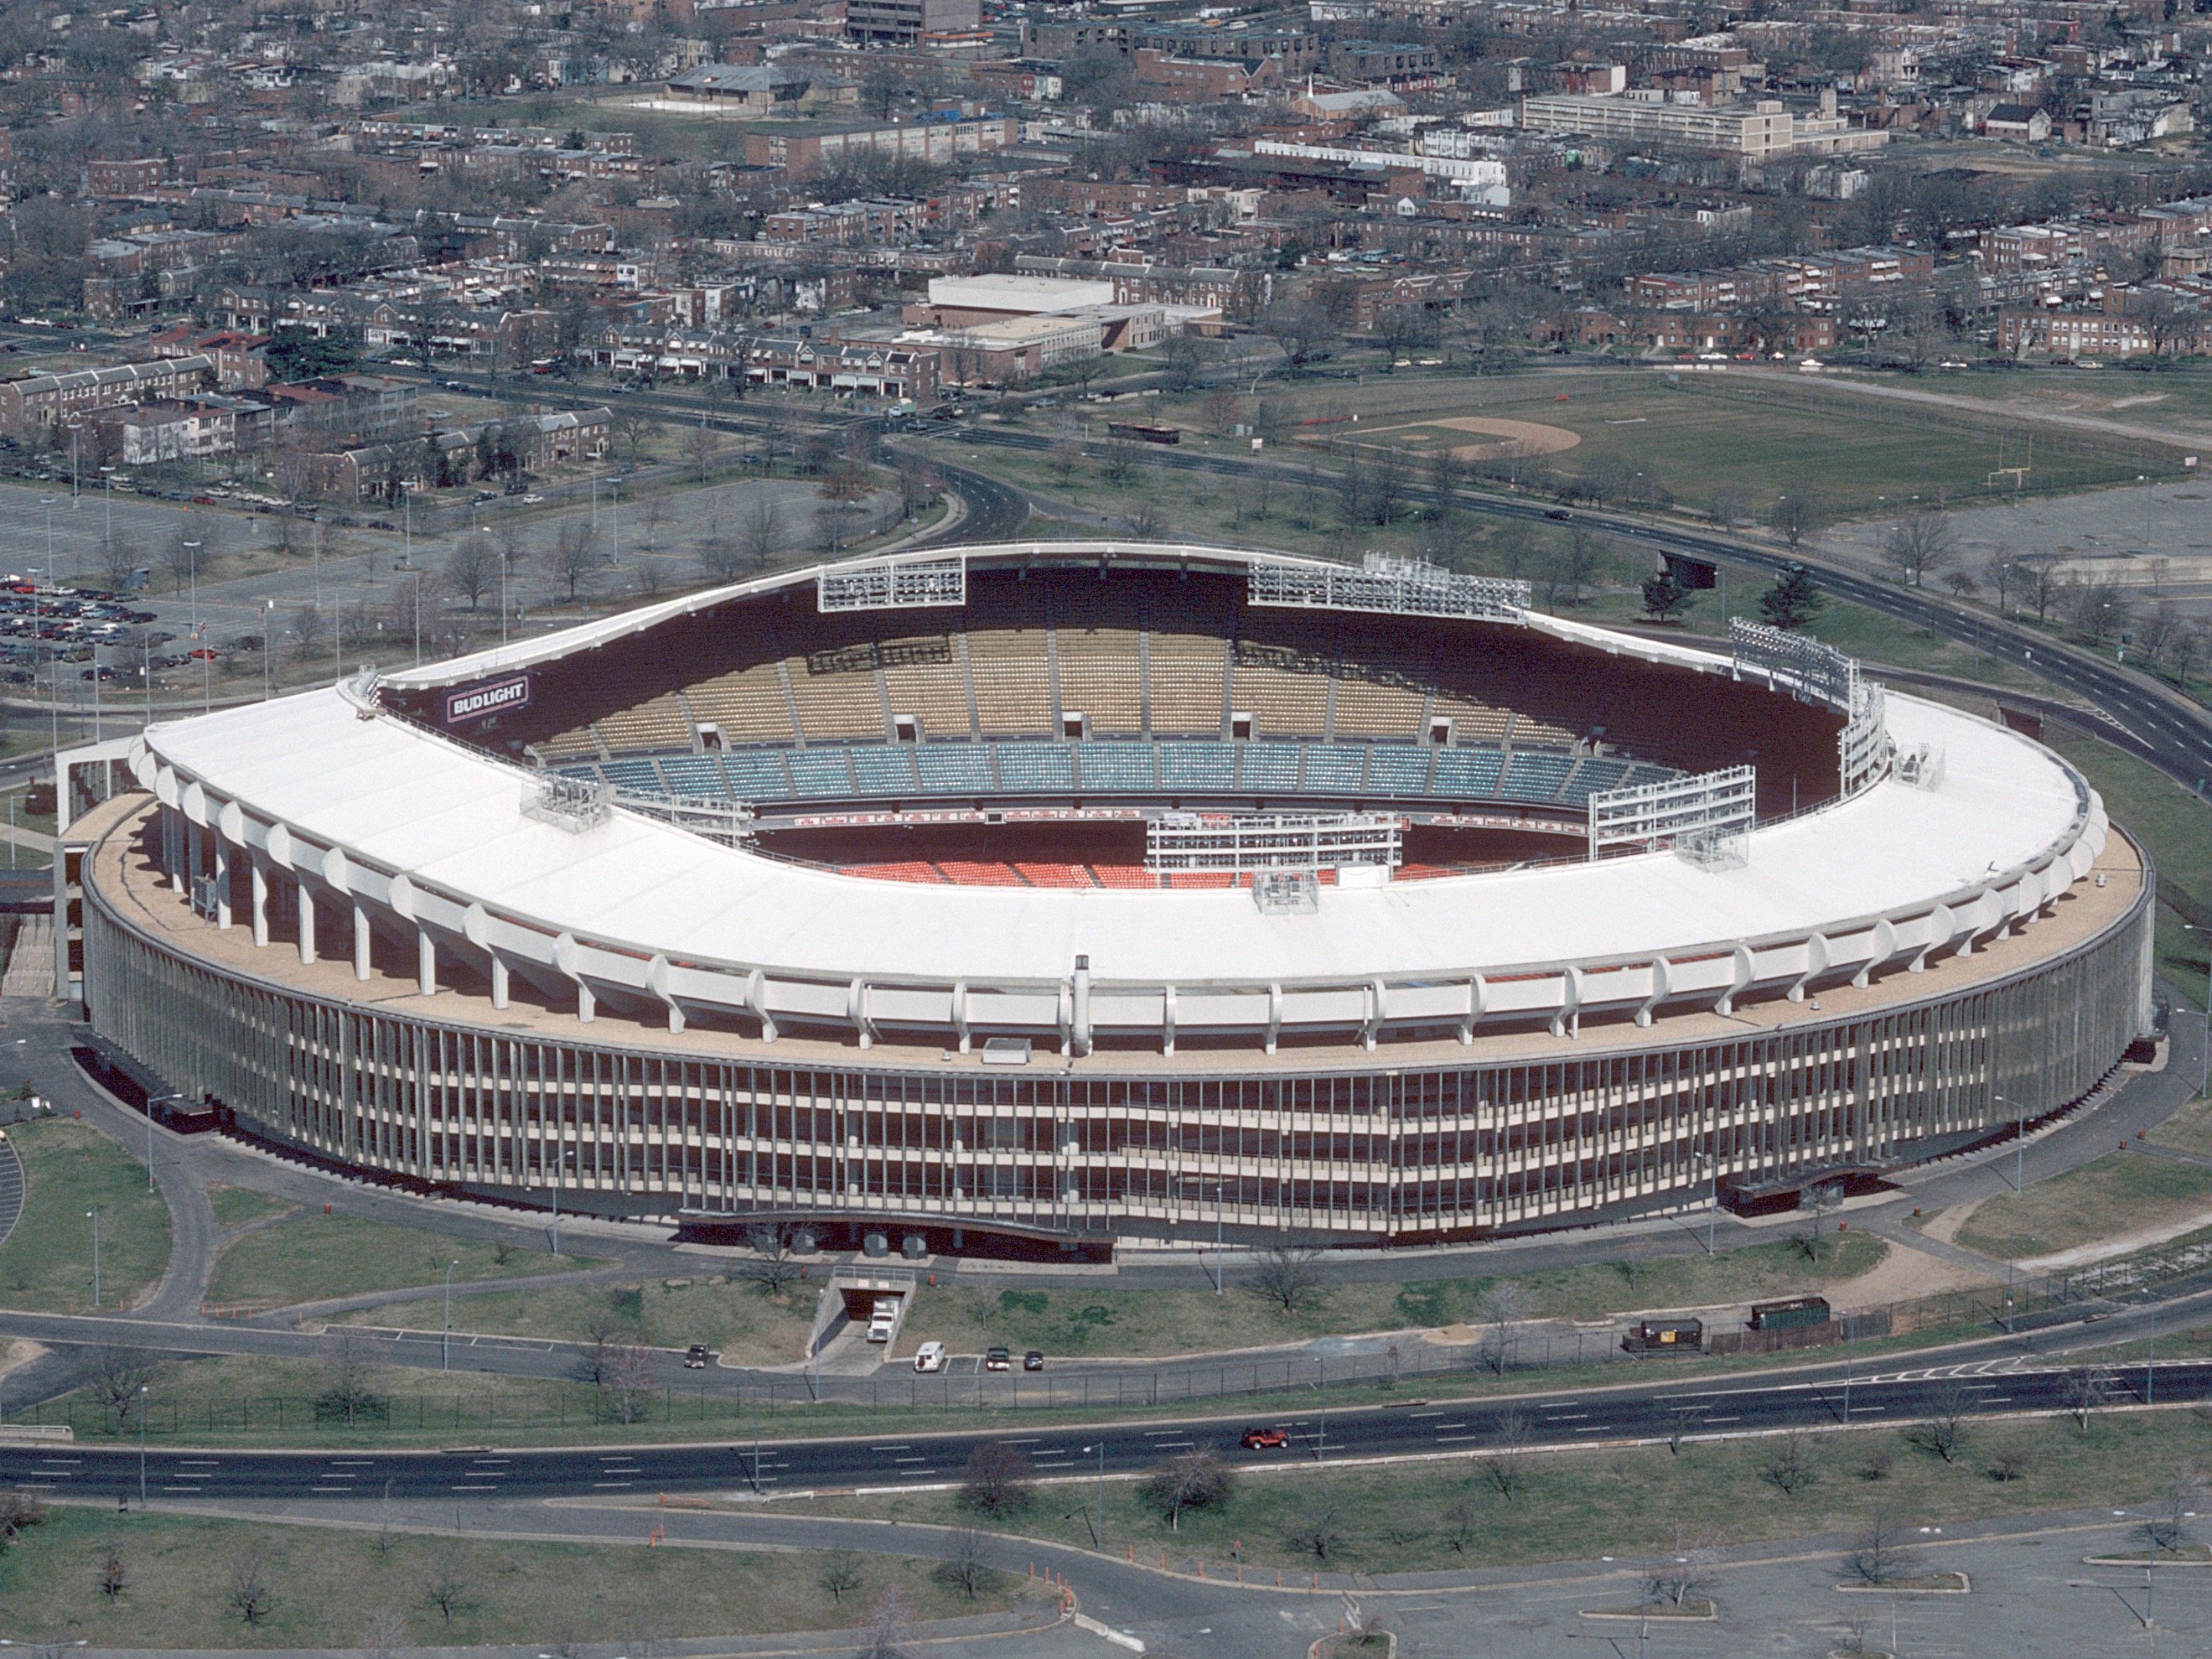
1762	434
312	1257
46	1264
1144	1323
2120	1192
1629	1503
736	1319
235	1205
332	1589
2189	1128
2173	825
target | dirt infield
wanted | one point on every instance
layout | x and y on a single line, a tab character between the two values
1531	437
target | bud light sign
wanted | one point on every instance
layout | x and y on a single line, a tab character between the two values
491	698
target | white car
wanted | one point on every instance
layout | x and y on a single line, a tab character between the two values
929	1357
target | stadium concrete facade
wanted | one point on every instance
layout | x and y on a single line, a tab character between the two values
548	916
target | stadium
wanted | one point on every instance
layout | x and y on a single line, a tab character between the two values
1035	896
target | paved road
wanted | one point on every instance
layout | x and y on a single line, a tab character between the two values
1655	1408
11	1190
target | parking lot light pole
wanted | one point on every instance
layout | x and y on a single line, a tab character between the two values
1101	1449
93	1214
446	1342
2019	1141
2203	1060
142	1392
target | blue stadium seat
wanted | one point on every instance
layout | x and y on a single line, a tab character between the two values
1469	773
1197	766
639	774
758	775
695	775
1116	765
821	771
1593	777
1035	766
1335	768
883	771
591	772
1270	766
1397	770
954	769
1536	777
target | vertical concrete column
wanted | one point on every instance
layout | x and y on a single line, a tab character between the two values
259	875
307	923
498	980
359	940
425	962
586	1006
221	881
192	834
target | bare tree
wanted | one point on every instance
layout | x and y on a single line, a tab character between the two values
473	568
347	1394
760	532
118	561
1789	1466
114	1574
1918	542
626	1369
1319	1528
117	1379
576	556
1875	1560
2007	1463
1505	1453
2042	583
246	1590
998	1479
446	1588
308	628
1684	1419
1462	1519
1504	1305
20	1510
966	1566
1684	1576
634	427
773	1265
1799	515
1814	1205
1195	1480
842	1574
1942	1430
1287	1274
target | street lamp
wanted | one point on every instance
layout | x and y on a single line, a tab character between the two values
2019	1140
446	1343
1101	1449
142	1392
93	1214
2204	1059
1320	1376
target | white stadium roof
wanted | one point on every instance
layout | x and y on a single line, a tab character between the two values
431	834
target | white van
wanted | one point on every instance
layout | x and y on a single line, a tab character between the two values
930	1357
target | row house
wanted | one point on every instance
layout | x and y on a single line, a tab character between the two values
35	403
866	368
542	443
162	430
682	353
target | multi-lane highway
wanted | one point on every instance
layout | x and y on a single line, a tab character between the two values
1655	1409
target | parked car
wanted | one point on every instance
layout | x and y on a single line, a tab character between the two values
695	1356
1266	1439
929	1357
998	1359
1033	1360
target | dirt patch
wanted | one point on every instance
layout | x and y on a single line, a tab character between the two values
2103	1249
1943	1226
1521	437
1904	1275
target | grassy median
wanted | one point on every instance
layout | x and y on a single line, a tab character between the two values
1489	1507
179	1583
69	1170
